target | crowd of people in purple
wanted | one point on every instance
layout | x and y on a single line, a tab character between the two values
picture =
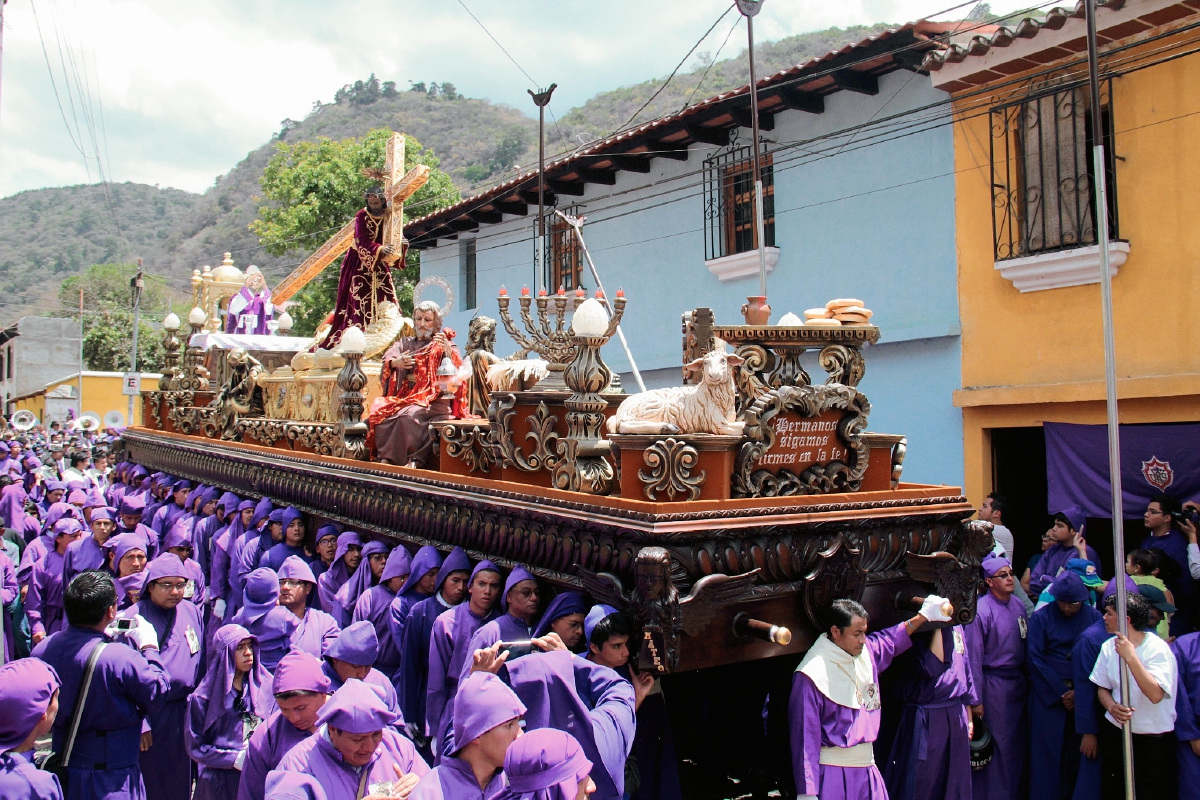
176	641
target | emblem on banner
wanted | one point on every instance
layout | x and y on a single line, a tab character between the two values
1158	473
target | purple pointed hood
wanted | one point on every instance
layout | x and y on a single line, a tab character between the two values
26	688
362	579
260	595
357	644
456	561
398	564
356	708
217	685
545	764
518	574
427	558
483	701
566	604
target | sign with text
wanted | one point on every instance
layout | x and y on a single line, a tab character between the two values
800	442
131	383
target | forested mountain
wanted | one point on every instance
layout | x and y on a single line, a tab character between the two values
47	235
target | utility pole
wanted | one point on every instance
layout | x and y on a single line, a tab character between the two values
137	283
1099	163
541	99
749	9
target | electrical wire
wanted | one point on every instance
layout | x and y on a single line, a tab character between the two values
715	58
497	41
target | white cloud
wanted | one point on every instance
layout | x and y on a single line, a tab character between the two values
189	88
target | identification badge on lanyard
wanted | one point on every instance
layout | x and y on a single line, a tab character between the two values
1022	626
382	788
249	723
868	697
189	590
193	640
960	646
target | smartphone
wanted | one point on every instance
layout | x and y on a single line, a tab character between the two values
516	649
126	624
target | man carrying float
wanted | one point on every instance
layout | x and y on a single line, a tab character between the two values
834	710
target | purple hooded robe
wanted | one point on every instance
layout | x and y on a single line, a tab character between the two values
9	589
426	560
27	688
262	615
357	644
546	764
336	576
374	606
317	629
354	588
1187	714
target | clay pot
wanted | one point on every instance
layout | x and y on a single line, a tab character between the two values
756	311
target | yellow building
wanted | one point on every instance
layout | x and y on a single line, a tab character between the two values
101	396
1028	266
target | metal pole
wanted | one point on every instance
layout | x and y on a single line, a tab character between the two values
749	8
541	100
576	223
79	414
137	283
1110	368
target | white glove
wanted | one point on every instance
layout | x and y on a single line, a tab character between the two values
219	609
240	760
931	609
143	634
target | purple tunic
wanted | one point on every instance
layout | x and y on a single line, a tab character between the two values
996	645
1187	714
453	779
317	629
215	749
9	589
21	780
44	602
274	631
82	554
126	687
270	743
448	650
1088	712
816	722
374	678
415	660
504	628
1052	562
374	606
316	756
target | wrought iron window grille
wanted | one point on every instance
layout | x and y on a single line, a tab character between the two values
563	255
729	223
1043	196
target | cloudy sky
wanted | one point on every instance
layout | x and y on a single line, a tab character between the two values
186	89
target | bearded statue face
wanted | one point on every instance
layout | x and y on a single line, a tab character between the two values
426	322
255	282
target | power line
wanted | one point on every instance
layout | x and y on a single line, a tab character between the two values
497	41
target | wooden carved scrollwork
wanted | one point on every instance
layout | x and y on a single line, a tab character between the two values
898	452
670	463
807	401
468	445
844	364
322	438
191	420
837	575
264	431
542	433
750	386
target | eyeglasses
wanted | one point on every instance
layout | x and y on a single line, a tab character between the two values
289	583
173	586
1003	575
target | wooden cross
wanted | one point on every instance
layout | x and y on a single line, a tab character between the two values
398	187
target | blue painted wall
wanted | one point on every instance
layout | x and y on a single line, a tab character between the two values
867	215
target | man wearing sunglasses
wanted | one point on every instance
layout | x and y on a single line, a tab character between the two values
996	646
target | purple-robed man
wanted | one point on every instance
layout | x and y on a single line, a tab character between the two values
179	541
225	710
449	644
345	757
339	572
262	615
1187	715
1054	630
519	603
996	646
36	551
374	606
9	589
166	767
224	604
834	710
362	580
472	769
419	585
126	687
44	602
301	689
293	528
417	629
209	528
296	585
241	563
546	764
1068	525
562	691
351	655
87	552
29	691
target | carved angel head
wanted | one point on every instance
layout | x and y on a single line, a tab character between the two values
652	571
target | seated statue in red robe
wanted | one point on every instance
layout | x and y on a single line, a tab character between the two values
399	420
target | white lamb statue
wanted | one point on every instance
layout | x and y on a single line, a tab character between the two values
707	407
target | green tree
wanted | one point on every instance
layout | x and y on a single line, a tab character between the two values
314	188
108	316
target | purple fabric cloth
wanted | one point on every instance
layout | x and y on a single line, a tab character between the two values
518	574
82	554
26	688
21	780
426	559
218	681
336	576
317	630
44	601
12	506
1175	545
996	646
398	565
9	589
504	628
546	764
126	688
1051	563
564	605
414	678
282	785
362	579
356	708
1088	713
316	756
562	691
816	721
246	305
1187	713
454	779
270	743
1154	459
355	295
280	552
374	606
483	702
448	649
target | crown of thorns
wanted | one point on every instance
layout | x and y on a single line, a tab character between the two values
378	177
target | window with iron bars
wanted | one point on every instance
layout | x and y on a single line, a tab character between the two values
1043	181
564	256
729	223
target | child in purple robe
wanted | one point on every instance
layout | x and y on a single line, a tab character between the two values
224	712
179	542
325	548
996	645
547	764
262	615
519	604
357	751
487	719
29	691
374	606
296	585
1067	533
449	647
345	561
44	602
292	544
166	767
351	655
449	591
374	559
301	691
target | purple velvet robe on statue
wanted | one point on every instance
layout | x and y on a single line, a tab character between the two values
316	756
1187	714
126	688
816	721
996	645
365	280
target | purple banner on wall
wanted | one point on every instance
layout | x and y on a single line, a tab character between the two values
1154	459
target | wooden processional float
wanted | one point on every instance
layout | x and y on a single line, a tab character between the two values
725	515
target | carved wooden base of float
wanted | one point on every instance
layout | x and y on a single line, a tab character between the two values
675	468
556	533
